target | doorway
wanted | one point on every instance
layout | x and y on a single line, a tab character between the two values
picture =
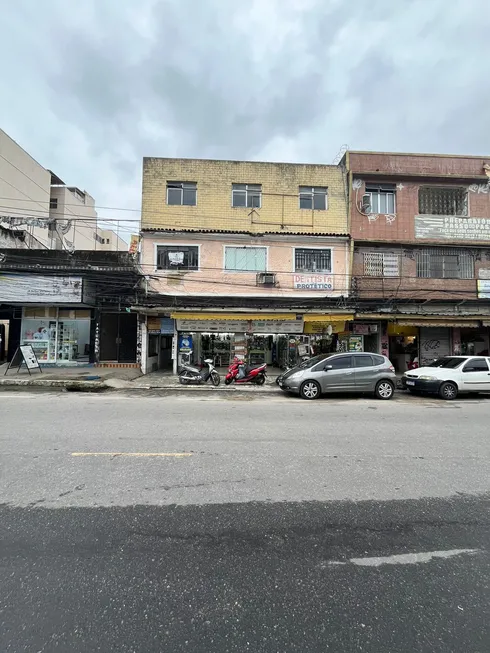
118	335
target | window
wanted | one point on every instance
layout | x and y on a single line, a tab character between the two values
246	259
177	257
341	363
153	344
363	361
312	260
311	197
53	203
476	365
246	195
381	264
437	200
98	238
440	263
378	360
446	361
181	193
382	198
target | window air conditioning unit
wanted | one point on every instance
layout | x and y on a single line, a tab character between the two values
266	279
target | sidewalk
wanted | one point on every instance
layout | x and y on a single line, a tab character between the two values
104	378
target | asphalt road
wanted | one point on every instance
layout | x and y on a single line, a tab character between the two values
273	525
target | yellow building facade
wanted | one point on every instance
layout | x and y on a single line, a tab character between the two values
245	196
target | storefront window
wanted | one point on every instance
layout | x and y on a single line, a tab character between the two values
57	335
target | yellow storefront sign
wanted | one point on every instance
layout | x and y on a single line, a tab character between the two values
321	327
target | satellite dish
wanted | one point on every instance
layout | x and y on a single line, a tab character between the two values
329	330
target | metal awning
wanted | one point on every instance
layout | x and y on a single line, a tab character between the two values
469	324
329	317
233	316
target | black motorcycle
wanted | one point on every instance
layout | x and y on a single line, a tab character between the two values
190	375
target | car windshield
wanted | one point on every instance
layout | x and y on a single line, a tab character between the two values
447	362
313	361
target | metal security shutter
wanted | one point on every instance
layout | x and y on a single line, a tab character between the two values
434	343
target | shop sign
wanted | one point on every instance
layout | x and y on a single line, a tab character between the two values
153	325
365	329
321	327
185	343
436	227
166	326
355	343
313	282
29	289
483	288
241	326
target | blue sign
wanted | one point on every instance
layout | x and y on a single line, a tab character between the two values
166	326
185	343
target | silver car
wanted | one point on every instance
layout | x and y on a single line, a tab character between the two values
352	372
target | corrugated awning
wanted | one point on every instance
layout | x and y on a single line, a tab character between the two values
329	317
233	316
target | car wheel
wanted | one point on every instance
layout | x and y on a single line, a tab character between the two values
384	390
448	391
310	390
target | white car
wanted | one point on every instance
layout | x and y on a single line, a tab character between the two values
449	376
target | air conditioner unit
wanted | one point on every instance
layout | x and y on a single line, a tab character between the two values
266	279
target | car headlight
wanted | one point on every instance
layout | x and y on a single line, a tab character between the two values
428	378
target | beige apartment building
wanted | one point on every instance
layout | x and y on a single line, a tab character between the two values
242	258
41	211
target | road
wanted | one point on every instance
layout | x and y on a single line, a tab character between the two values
204	523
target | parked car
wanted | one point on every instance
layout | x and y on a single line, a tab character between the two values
449	376
352	372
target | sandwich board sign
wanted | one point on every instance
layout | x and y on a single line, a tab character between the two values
24	355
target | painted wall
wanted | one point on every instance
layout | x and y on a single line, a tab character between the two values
279	212
406	224
212	279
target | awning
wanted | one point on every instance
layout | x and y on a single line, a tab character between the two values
329	317
470	324
233	316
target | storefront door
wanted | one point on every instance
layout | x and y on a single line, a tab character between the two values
118	337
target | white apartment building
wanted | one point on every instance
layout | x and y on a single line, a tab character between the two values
51	214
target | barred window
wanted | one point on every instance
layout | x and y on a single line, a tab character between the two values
441	200
381	264
177	257
441	263
312	260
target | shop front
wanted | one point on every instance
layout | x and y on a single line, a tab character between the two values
275	339
54	316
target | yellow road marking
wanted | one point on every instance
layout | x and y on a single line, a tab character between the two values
128	453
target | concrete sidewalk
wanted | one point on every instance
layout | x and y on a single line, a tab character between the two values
105	378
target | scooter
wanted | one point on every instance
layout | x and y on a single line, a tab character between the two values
190	375
241	373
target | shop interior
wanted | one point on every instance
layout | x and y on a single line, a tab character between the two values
474	342
403	346
277	350
57	335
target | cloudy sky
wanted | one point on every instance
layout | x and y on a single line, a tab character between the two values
89	87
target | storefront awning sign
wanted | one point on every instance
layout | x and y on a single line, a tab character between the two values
40	289
335	317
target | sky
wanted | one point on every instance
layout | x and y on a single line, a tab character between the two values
90	87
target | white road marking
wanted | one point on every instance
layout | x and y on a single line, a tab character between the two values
404	558
129	453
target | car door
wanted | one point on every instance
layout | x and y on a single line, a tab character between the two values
339	374
475	375
366	372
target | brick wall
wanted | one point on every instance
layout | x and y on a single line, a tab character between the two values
396	169
212	279
407	285
280	210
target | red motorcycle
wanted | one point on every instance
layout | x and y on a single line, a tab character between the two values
241	373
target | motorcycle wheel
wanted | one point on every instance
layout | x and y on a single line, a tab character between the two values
260	380
215	379
228	381
183	380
